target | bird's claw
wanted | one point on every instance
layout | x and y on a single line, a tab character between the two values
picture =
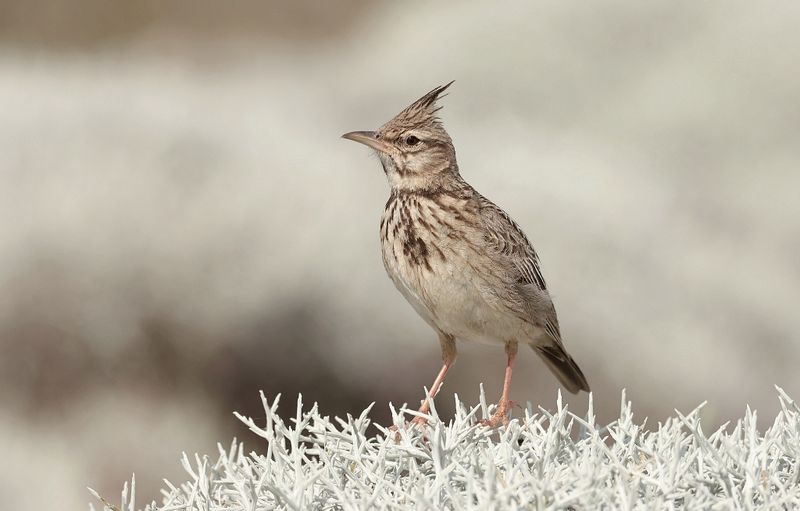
499	417
418	421
413	423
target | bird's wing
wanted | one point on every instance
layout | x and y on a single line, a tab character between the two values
508	240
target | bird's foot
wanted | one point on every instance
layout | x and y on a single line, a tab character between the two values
416	422
396	432
500	416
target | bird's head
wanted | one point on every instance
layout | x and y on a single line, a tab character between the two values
415	150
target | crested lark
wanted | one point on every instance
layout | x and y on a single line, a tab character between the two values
464	265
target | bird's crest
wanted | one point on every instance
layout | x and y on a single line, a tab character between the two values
422	112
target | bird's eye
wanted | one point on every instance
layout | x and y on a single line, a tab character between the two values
412	140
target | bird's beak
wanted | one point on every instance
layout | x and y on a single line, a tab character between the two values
369	139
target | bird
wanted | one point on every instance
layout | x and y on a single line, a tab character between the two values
460	260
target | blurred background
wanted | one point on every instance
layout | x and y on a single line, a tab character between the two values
181	225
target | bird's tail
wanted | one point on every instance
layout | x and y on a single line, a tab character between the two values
564	367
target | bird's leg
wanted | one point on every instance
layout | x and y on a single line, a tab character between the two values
500	415
448	344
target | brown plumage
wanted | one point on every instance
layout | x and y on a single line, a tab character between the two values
464	265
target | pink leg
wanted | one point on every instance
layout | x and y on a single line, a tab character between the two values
500	416
448	344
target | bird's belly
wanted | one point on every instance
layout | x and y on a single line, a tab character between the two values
452	298
461	310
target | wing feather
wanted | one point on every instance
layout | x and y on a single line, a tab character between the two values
507	238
